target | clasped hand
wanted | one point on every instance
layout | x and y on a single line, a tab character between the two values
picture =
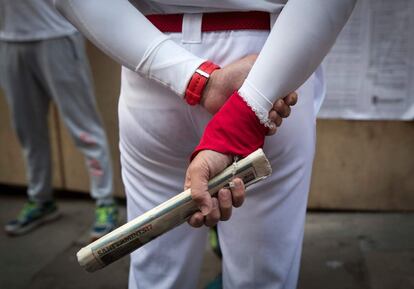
222	83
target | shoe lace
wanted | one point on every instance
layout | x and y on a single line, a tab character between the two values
27	210
104	214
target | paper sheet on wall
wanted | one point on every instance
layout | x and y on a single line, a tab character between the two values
370	70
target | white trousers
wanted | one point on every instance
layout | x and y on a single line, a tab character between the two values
261	243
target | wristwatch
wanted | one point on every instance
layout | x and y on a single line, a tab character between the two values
198	82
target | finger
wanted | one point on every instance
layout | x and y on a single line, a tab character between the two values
237	192
275	118
282	108
273	115
199	184
196	220
214	216
272	129
225	204
291	99
278	121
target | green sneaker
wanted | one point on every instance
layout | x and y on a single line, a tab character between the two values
217	283
31	216
106	219
214	241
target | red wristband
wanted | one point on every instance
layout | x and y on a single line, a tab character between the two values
198	82
234	129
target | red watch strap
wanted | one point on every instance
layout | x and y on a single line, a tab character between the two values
198	82
234	129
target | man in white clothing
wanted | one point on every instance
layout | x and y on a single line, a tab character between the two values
177	48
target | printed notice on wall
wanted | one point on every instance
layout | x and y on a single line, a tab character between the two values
370	70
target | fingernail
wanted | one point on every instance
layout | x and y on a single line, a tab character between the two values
224	194
237	183
204	210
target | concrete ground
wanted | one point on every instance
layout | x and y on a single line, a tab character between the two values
341	251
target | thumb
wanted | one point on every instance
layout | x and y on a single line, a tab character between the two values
187	181
199	176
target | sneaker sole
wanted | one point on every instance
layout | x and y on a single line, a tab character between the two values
46	219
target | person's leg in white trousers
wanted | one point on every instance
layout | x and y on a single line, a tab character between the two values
262	242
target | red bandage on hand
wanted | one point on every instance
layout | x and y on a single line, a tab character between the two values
234	129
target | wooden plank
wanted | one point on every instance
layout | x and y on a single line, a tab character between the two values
364	165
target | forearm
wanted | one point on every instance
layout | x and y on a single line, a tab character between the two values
122	32
301	37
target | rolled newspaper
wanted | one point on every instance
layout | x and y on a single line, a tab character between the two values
167	215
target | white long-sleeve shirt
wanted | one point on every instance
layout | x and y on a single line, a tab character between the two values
302	35
28	20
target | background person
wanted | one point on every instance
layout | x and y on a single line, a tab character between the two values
42	59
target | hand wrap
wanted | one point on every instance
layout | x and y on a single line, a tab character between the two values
234	129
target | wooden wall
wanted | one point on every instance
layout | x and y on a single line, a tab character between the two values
362	165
